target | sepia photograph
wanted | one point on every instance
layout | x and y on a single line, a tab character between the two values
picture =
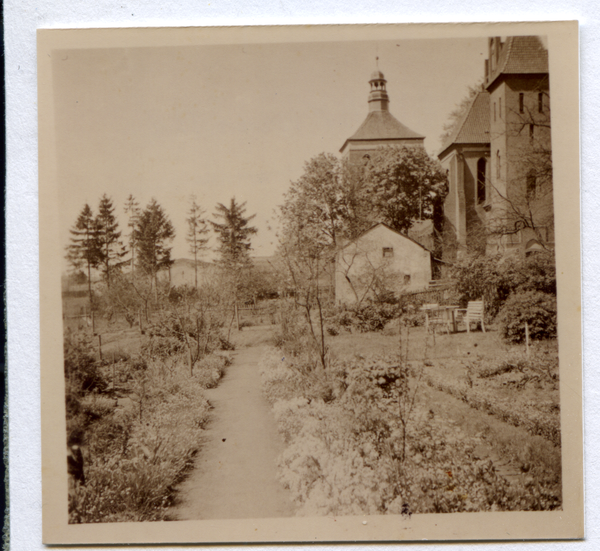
310	284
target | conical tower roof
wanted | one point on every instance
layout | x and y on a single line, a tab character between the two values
380	124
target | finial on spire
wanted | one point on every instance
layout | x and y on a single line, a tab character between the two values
377	61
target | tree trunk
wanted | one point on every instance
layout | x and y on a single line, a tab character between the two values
90	283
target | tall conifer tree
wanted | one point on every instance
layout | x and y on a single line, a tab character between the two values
133	211
233	235
195	236
154	232
111	248
85	248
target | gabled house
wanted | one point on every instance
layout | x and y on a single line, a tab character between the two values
379	261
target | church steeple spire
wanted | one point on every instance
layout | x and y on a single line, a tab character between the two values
378	97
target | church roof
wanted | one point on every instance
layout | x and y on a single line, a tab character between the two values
382	125
474	126
521	55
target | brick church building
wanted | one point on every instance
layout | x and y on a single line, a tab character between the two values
498	157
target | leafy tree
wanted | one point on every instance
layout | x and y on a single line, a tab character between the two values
196	230
85	248
233	235
133	211
154	231
317	200
459	111
111	248
404	184
304	257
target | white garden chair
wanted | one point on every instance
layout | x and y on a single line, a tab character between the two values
473	313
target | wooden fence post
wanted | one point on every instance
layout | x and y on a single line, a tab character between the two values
527	338
237	316
93	323
100	345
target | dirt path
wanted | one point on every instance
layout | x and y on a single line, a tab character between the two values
235	472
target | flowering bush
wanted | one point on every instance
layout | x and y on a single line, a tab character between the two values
209	370
535	308
373	449
135	454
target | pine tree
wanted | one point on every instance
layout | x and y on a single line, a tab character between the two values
153	233
85	248
111	248
233	236
196	230
133	211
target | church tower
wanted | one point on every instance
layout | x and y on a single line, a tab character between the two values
380	128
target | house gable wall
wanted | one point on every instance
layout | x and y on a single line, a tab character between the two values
361	261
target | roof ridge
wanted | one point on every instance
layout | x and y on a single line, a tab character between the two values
452	137
509	45
389	228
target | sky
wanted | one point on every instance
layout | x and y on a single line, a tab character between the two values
223	121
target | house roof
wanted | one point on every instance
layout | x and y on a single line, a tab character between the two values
382	125
389	228
474	126
521	55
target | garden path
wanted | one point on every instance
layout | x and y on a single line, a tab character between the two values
235	472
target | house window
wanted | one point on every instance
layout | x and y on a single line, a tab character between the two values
541	102
388	252
494	111
407	279
531	131
531	184
500	107
498	164
521	103
481	181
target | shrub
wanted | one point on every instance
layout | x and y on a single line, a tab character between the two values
413	318
494	278
156	345
535	308
81	369
210	369
534	273
132	462
482	277
366	317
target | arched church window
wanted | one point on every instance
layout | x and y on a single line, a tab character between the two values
481	181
